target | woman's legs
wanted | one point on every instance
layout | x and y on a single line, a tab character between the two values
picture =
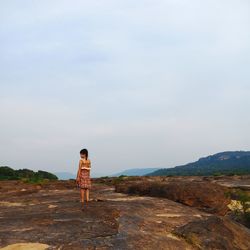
82	194
87	194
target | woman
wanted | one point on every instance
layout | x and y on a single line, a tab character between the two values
83	175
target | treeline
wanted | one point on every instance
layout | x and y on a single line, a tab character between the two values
201	172
7	173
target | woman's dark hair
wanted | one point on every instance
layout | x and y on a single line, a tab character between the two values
84	152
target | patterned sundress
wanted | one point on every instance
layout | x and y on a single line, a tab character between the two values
85	180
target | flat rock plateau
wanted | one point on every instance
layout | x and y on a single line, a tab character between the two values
49	216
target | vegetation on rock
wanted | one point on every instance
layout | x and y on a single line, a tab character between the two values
27	175
240	205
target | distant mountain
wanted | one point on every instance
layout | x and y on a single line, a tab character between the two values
135	172
97	175
65	175
68	175
229	162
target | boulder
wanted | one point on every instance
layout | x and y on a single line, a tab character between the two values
207	196
215	232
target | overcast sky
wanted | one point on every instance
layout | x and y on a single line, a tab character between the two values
138	83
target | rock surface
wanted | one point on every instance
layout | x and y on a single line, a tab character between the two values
215	233
204	195
51	214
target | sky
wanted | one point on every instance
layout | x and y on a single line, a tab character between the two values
140	84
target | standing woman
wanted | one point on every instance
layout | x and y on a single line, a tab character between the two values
83	175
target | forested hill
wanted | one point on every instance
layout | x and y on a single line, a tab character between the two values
7	173
230	162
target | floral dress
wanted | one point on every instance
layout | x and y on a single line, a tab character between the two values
85	181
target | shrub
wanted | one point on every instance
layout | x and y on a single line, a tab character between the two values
242	211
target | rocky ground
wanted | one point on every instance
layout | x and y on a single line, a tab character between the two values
49	216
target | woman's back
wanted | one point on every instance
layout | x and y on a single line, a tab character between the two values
85	163
85	181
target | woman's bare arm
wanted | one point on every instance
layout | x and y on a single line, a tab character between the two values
79	169
86	168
